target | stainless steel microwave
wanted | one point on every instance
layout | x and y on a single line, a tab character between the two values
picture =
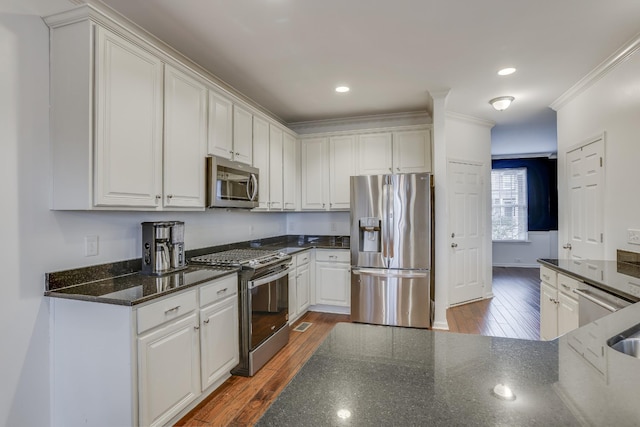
231	184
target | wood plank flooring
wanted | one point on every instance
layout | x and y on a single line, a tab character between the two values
512	312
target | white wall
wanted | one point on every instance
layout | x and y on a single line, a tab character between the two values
319	223
611	105
541	244
36	240
536	135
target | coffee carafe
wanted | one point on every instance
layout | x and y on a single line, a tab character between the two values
162	247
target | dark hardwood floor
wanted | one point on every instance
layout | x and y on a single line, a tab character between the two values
512	312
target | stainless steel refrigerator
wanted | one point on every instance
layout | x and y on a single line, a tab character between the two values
391	249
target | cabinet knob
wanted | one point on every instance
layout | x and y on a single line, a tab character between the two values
206	321
454	245
196	327
567	246
323	205
397	169
158	197
390	169
169	196
237	154
230	151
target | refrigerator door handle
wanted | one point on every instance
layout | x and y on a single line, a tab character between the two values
385	223
381	272
390	220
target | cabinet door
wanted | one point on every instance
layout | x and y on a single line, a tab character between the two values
412	151
219	336
185	140
567	313
314	169
290	176
302	289
374	154
548	312
341	168
128	118
275	168
168	370
261	159
220	135
242	135
332	284
293	306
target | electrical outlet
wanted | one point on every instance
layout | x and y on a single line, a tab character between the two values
633	236
634	289
90	245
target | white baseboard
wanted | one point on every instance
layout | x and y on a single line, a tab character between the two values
521	265
441	326
322	308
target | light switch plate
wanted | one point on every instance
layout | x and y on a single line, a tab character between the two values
633	236
90	245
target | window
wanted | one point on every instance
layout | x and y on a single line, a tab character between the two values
509	204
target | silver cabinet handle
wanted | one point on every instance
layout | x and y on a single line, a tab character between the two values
206	321
196	327
398	169
237	154
390	169
158	197
221	291
565	286
171	309
169	196
230	151
567	246
454	245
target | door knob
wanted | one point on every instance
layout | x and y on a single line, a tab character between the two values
567	246
454	245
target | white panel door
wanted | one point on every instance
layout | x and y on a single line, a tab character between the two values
128	104
185	140
275	168
168	370
466	218
342	165
220	126
261	159
314	173
289	175
412	151
375	154
219	340
242	135
584	215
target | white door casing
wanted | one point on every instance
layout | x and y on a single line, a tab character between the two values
585	201
466	221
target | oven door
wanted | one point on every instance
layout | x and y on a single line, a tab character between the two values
269	302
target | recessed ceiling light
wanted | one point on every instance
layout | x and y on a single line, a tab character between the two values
342	89
506	71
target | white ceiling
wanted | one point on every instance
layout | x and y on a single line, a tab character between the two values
288	55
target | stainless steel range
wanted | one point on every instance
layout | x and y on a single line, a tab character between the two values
263	290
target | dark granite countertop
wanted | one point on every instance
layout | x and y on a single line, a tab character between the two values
619	278
136	288
399	376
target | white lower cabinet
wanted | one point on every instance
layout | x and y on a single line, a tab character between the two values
168	370
333	285
299	286
548	312
153	362
558	304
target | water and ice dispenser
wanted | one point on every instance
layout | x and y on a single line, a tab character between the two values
370	239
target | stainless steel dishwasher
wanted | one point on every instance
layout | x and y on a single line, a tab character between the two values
594	303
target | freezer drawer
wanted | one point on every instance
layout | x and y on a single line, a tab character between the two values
387	297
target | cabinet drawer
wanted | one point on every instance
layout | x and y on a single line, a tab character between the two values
303	258
567	285
333	256
167	309
548	275
218	289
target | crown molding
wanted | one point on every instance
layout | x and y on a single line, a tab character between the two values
546	155
469	119
599	72
355	123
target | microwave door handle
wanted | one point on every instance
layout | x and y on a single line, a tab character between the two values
254	187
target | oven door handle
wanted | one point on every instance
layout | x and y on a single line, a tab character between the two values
586	295
268	279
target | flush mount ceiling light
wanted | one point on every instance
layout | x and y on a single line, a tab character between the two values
342	89
502	102
506	71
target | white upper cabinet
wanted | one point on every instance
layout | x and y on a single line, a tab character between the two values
342	165
275	168
261	160
394	152
374	154
242	135
128	122
412	151
220	134
314	171
290	176
185	140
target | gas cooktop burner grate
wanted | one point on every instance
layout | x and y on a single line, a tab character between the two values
236	257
